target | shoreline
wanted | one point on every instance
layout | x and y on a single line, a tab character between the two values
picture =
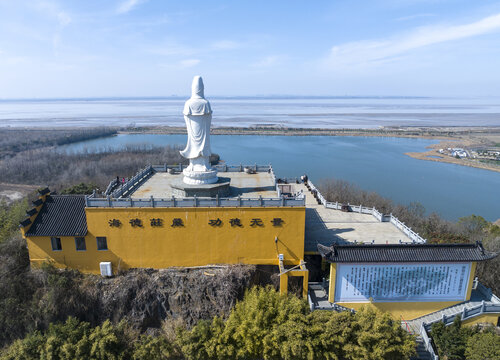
447	136
459	136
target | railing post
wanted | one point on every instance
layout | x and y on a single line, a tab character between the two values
152	201
217	200
195	201
173	200
86	201
282	200
239	200
261	201
109	200
131	202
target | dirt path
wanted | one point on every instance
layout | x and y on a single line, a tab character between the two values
13	192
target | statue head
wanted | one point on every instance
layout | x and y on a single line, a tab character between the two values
197	88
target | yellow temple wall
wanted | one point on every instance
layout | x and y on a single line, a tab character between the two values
481	319
196	243
40	251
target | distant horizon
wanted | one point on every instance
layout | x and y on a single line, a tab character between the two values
250	97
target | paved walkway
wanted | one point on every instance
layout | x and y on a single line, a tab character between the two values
325	226
242	184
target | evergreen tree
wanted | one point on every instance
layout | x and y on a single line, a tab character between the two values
483	346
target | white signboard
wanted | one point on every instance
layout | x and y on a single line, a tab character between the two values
401	282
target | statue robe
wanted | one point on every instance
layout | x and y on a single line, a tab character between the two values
198	118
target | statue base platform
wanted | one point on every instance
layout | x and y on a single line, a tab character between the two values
220	188
200	177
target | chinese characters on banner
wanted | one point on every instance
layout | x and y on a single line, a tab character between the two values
178	222
401	282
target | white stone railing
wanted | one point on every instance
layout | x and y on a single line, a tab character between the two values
412	235
219	168
314	189
428	342
406	230
490	307
275	181
111	185
132	183
194	202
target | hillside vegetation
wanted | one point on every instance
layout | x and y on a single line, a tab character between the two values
264	325
14	141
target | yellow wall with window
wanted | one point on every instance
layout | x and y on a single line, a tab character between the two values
195	243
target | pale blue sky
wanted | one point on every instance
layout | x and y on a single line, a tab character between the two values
90	48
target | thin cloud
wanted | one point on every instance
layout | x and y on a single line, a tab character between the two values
128	5
267	61
52	9
172	49
226	45
371	52
415	16
189	63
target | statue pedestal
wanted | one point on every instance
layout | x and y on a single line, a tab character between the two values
200	177
220	188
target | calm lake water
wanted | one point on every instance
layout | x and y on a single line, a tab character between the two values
373	163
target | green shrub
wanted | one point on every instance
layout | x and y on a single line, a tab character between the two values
81	188
483	346
74	340
457	342
267	325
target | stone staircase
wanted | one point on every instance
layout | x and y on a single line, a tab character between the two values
438	315
422	353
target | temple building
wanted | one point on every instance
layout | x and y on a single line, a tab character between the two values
345	256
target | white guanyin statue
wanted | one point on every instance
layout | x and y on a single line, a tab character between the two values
198	117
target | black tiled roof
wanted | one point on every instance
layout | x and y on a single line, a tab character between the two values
375	253
25	222
61	215
44	191
38	202
31	212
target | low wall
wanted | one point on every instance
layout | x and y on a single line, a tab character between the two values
194	202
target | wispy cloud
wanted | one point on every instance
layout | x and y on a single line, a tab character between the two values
171	48
372	52
267	61
128	5
414	16
53	10
226	45
189	63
